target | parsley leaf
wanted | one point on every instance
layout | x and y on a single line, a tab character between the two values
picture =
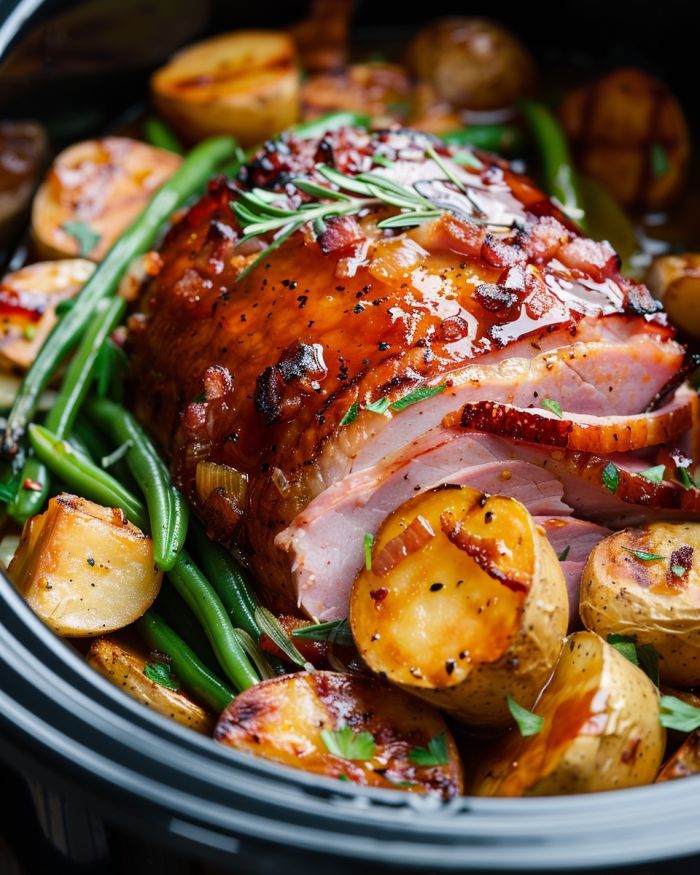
369	543
8	490
685	479
84	236
655	474
382	160
381	405
642	655
678	570
349	745
435	754
677	714
564	553
645	557
610	477
528	723
335	631
552	405
350	414
419	394
159	673
626	645
660	162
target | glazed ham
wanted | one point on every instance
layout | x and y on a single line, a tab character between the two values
352	367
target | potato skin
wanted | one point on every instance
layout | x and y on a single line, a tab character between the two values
124	667
675	280
601	729
623	594
509	641
281	719
84	569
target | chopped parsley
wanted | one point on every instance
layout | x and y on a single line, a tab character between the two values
645	557
350	414
335	631
528	723
8	490
677	714
685	479
369	543
553	406
159	673
349	745
679	570
564	553
655	474
419	394
660	162
435	754
610	477
642	655
84	236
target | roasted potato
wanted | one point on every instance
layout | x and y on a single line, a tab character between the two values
345	726
124	667
629	132
28	299
683	762
245	84
464	602
92	192
675	280
382	91
84	569
601	729
22	155
645	582
472	63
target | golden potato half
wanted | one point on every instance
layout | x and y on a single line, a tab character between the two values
93	192
85	569
675	280
464	602
657	600
245	84
601	729
124	667
345	726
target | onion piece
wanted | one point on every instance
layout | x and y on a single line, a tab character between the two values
211	475
413	537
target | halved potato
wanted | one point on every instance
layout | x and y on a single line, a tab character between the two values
93	191
22	155
244	83
601	729
684	762
656	600
28	299
84	568
124	667
465	602
675	280
352	727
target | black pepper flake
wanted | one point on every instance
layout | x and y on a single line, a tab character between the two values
434	587
383	345
358	308
91	562
302	300
488	516
449	666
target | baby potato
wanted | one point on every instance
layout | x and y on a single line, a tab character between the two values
464	602
85	569
675	280
22	155
244	83
645	582
28	299
347	726
92	193
472	63
629	132
124	667
600	730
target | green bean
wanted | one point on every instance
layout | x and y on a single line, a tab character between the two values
98	448
205	604
199	595
187	180
167	511
190	670
83	476
558	170
331	122
227	579
505	139
178	616
158	134
60	418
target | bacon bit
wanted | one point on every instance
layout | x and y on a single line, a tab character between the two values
540	300
217	382
413	537
599	260
340	235
495	298
680	558
221	515
452	234
484	551
544	238
32	485
378	595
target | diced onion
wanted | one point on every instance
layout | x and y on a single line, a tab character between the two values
211	476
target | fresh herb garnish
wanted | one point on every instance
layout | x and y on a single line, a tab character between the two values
382	160
369	542
626	645
350	414
685	478
645	557
679	715
655	474
679	570
119	453
610	477
381	405
552	405
159	673
8	490
335	631
435	754
528	723
642	655
84	236
564	553
419	394
271	626
349	745
660	162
